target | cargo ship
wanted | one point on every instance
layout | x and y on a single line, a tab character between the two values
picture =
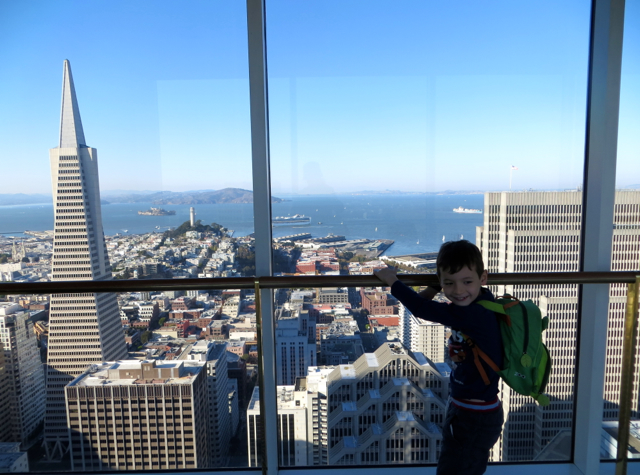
295	220
156	212
467	210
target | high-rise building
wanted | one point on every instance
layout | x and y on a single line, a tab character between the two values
295	342
83	328
292	427
5	406
156	413
540	232
386	408
219	424
423	336
24	385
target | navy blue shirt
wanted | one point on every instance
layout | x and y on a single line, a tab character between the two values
475	321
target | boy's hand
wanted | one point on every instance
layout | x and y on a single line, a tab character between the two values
388	275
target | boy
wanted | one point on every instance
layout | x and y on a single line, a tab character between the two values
473	422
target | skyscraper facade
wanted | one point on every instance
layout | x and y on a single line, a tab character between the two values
5	407
423	336
156	415
83	328
295	342
385	408
540	232
24	385
219	424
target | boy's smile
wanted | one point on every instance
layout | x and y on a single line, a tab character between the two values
463	287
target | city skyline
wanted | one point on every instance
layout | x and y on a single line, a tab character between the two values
318	124
345	104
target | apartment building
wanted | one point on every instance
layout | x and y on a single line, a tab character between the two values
377	302
333	295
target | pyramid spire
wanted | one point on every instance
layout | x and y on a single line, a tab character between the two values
71	133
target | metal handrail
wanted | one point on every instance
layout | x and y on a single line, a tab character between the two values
280	282
258	283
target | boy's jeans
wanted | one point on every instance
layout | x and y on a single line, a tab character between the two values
467	437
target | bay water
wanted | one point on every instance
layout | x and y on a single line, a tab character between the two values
417	223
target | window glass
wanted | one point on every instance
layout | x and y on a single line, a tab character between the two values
394	130
163	97
176	399
159	92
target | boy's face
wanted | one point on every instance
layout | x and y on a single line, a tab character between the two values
463	287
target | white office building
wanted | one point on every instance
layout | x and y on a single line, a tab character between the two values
540	232
219	423
386	408
422	336
295	343
24	384
83	328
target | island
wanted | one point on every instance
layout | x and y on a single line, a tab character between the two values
157	212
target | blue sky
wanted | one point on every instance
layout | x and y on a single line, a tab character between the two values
412	95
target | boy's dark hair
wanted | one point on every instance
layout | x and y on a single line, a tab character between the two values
454	255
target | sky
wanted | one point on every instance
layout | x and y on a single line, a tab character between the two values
421	96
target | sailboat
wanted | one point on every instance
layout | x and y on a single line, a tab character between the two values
443	238
418	241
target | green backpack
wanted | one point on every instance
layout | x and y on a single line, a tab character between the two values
527	363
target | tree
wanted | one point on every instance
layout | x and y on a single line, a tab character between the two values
25	259
281	262
198	226
124	275
246	261
146	336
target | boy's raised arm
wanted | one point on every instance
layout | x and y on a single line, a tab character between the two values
388	275
429	293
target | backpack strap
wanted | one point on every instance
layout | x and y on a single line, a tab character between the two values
498	309
493	306
477	354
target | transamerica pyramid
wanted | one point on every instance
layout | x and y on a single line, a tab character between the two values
84	329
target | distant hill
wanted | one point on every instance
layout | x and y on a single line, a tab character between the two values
226	195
